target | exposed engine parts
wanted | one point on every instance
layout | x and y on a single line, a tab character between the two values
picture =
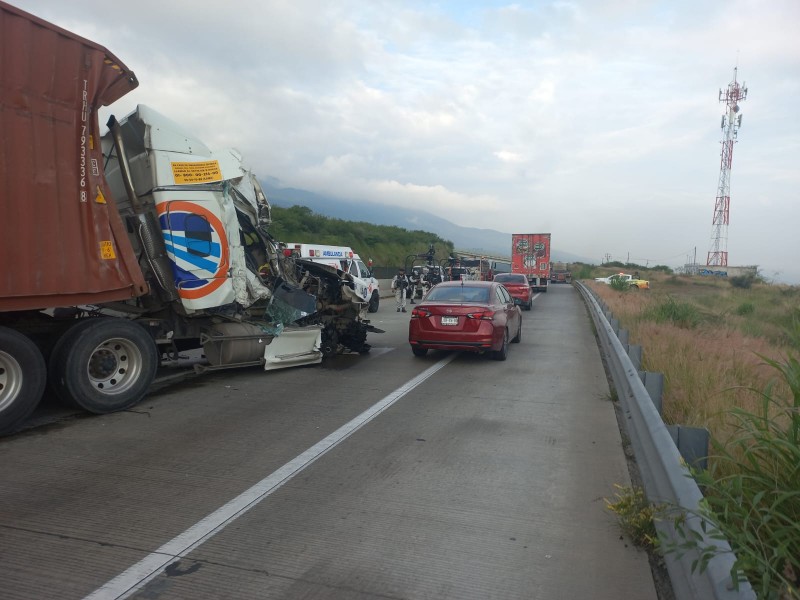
338	310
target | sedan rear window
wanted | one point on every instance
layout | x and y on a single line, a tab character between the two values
510	278
464	294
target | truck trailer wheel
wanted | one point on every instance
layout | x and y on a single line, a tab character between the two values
374	302
23	375
104	365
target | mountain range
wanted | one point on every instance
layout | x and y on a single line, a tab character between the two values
466	239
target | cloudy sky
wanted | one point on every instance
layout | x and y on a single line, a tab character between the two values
597	121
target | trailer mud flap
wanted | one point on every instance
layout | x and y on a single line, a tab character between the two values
294	346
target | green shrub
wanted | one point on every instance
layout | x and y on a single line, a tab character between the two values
682	314
745	308
619	284
635	515
744	282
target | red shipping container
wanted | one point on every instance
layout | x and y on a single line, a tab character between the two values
63	242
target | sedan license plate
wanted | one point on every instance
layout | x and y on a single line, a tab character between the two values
449	320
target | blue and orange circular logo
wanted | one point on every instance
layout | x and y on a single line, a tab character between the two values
198	247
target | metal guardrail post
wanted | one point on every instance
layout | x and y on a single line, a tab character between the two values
635	354
665	477
654	384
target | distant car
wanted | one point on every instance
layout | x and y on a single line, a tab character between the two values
518	286
639	284
474	316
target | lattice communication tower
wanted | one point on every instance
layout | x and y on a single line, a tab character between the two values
731	121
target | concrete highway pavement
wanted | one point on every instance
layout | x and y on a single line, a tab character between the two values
377	476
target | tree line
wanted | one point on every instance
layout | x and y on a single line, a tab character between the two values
386	245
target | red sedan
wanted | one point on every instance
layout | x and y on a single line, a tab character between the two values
477	316
518	286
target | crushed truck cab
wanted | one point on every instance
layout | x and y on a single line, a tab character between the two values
197	217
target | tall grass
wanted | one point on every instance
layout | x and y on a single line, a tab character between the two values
716	346
692	333
752	490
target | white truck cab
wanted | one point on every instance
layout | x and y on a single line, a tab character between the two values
344	259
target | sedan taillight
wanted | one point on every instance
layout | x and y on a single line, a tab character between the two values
482	315
420	312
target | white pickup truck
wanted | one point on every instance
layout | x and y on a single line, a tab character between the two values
639	284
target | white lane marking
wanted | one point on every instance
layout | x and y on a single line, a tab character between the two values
148	568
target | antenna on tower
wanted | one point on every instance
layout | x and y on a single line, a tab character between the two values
731	121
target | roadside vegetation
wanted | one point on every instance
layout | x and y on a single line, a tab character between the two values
729	351
387	246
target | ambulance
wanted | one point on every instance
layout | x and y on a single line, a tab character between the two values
344	259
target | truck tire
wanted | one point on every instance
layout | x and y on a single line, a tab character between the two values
23	375
374	302
103	364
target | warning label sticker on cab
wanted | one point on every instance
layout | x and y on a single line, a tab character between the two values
196	172
107	250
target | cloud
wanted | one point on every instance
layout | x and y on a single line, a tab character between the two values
511	157
571	115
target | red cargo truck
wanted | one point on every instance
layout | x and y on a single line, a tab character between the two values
530	255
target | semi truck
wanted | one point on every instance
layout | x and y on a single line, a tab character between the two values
126	246
530	255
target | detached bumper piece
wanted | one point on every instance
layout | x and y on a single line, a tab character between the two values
300	346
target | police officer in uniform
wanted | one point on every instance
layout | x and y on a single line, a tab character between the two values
414	283
399	286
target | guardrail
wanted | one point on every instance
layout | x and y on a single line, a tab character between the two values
664	474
